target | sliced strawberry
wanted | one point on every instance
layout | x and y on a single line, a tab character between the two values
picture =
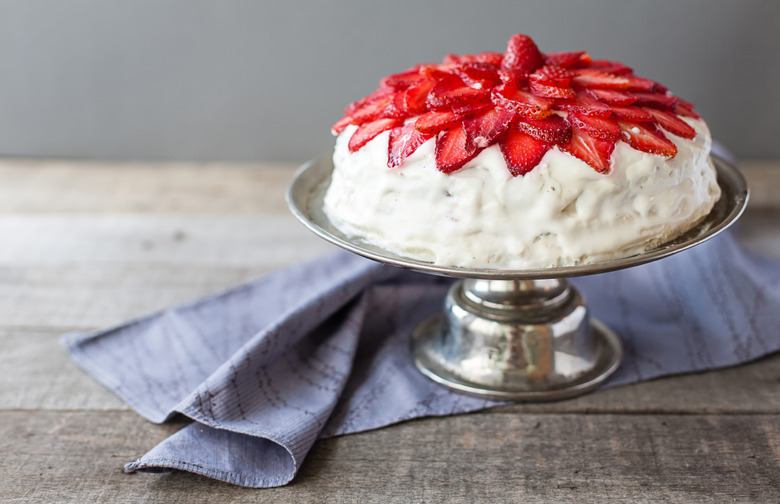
447	93
403	79
481	130
685	109
439	73
521	102
553	130
640	84
592	78
399	104
433	122
568	59
584	104
368	131
453	59
631	113
451	153
382	107
612	67
656	100
673	124
404	140
596	152
512	78
382	92
555	75
601	127
479	75
551	82
646	137
550	90
413	100
614	96
521	151
493	58
470	109
522	55
341	125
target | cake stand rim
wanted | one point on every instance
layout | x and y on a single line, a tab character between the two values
307	189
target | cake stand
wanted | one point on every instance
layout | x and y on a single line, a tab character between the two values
521	335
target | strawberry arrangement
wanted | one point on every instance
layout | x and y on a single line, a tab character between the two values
524	101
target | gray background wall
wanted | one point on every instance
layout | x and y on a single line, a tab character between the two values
250	80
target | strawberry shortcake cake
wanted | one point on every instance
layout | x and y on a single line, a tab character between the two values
520	160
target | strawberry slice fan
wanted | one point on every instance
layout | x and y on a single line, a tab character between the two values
516	334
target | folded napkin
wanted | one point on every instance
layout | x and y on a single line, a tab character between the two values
322	349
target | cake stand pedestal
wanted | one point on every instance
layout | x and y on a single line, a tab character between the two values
523	335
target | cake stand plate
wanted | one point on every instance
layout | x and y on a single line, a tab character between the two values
521	335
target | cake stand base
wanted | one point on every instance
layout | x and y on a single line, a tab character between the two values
518	340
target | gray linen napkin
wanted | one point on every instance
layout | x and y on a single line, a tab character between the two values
322	349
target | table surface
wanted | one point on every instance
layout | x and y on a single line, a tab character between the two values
90	244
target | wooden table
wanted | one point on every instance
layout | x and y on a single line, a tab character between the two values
87	244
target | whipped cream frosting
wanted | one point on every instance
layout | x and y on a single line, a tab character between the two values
561	213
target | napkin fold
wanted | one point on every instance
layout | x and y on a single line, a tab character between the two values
322	349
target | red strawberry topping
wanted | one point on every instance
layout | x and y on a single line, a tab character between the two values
614	97
631	113
522	151
685	109
451	152
366	132
646	137
593	78
433	122
522	100
656	100
584	104
545	90
478	75
568	59
672	123
403	142
448	93
601	127
484	128
555	130
594	151
522	55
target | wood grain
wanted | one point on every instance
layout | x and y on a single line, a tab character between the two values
484	457
54	186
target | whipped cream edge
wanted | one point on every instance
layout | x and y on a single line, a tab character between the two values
561	213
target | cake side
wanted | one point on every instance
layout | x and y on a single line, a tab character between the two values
561	213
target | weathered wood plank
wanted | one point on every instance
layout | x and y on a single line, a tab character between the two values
93	296
60	186
232	240
66	186
37	375
77	457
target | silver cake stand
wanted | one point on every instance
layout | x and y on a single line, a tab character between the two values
521	335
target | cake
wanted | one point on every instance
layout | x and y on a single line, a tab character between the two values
519	160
